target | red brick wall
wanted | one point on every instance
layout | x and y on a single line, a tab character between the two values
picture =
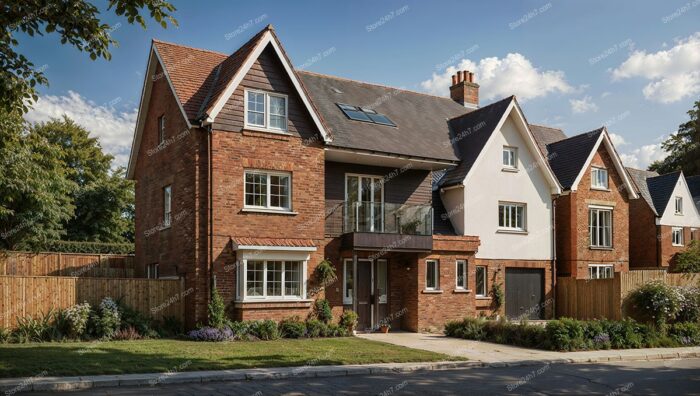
644	240
667	251
573	251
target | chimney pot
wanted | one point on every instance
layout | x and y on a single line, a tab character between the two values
454	79
463	90
471	77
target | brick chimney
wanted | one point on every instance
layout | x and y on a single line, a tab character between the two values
464	90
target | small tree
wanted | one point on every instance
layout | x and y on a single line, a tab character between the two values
217	310
689	259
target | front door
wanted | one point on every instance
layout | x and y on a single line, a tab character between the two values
364	294
524	293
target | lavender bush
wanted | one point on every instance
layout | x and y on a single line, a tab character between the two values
211	334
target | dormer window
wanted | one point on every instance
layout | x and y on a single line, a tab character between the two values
679	205
599	178
510	157
265	110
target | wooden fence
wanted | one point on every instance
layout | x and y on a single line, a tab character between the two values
66	264
604	298
22	296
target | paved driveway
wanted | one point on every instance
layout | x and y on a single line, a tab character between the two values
494	353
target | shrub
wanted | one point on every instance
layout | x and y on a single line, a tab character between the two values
31	329
498	295
88	247
105	320
689	310
217	310
565	334
127	333
685	333
131	318
689	259
210	334
325	273
468	328
624	334
77	318
655	302
242	330
316	328
292	328
323	311
169	326
265	329
595	335
349	320
5	335
335	330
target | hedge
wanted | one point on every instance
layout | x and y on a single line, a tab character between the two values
88	247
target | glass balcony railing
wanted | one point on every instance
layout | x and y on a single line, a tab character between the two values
388	218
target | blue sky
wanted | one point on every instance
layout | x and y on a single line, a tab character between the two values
631	65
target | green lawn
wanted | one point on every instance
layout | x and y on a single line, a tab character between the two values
122	357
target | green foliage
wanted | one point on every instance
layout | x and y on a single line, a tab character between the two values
468	328
685	333
349	319
78	23
126	334
35	202
37	329
655	302
105	320
690	304
325	272
217	311
168	326
77	318
315	328
5	335
683	147
88	247
104	200
322	310
689	259
497	295
565	334
132	319
292	328
265	330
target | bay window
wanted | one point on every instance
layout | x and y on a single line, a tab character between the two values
273	279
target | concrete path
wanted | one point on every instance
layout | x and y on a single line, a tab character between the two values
494	353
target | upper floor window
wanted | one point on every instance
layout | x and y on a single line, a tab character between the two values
167	205
510	157
600	271
511	216
600	227
679	205
461	282
267	190
152	271
480	281
432	275
677	236
599	178
161	129
266	110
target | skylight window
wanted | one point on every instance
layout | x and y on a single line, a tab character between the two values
365	115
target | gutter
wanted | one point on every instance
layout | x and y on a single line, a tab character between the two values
554	255
210	213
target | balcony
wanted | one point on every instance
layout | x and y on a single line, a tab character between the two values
387	226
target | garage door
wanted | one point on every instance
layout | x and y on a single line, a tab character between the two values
524	293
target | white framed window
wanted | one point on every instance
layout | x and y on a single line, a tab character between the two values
601	271
679	205
364	198
266	110
511	216
273	279
677	236
167	205
432	275
461	275
599	178
481	280
600	227
161	129
152	271
268	190
510	157
348	281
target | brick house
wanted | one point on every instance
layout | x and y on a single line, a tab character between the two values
664	222
592	214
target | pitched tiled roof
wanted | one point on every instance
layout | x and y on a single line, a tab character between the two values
694	187
421	120
639	178
545	135
567	157
661	188
284	242
471	131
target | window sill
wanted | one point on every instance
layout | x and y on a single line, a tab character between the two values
427	291
678	214
271	211
674	245
601	189
600	248
483	298
462	291
272	303
267	130
511	170
506	231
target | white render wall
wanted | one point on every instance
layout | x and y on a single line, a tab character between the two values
488	184
690	217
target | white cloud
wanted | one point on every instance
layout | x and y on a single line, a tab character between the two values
113	128
617	140
605	94
641	157
674	73
584	105
512	75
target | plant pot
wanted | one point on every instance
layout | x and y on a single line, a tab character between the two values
384	329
